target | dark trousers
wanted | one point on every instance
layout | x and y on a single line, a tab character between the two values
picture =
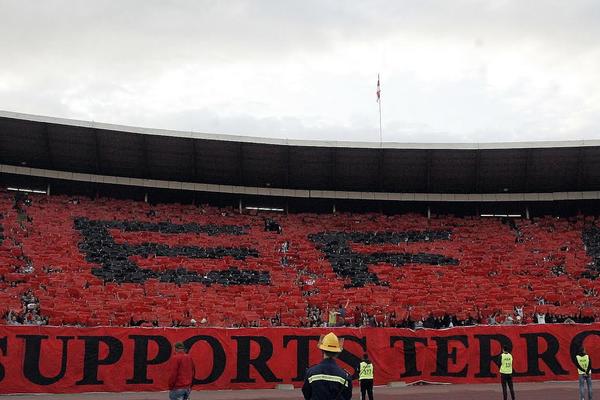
366	386
506	380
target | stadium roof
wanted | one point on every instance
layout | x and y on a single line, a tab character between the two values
83	147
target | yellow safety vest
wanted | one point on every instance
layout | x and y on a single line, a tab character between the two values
584	362
506	363
332	318
365	371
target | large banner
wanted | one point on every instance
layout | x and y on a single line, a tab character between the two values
65	359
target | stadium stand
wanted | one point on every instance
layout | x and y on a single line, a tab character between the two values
120	262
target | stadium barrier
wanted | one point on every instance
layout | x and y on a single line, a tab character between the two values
69	360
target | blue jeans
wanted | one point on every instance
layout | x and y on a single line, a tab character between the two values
587	379
179	394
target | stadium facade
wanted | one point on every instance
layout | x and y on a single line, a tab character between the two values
70	156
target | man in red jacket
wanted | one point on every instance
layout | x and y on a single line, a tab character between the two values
182	374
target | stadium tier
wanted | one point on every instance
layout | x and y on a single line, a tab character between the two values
121	262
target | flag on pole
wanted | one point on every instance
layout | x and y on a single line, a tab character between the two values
378	89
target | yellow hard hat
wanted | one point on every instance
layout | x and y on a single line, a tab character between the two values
331	343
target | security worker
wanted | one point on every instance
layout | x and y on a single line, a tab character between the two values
365	377
584	369
326	380
506	361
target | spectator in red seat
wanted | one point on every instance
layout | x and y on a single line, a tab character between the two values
357	316
182	374
541	318
13	318
342	312
332	321
519	311
420	323
33	318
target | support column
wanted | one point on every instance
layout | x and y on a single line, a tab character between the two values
240	206
48	189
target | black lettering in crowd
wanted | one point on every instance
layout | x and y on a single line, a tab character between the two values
260	362
591	238
548	356
33	351
218	357
409	345
140	356
302	353
443	356
355	266
100	248
3	350
576	344
486	358
91	360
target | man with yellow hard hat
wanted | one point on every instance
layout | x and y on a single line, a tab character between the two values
326	380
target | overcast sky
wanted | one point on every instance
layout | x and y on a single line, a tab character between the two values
451	71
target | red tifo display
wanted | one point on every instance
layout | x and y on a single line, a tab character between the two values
471	266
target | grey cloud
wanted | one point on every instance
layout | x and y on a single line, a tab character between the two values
97	59
157	31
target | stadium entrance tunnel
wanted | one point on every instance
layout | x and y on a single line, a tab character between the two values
115	263
355	266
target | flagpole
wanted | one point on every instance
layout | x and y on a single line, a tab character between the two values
379	101
380	131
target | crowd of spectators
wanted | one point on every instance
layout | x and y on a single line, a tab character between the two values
30	314
190	322
315	317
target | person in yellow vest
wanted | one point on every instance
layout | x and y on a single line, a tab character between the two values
584	369
506	370
365	377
